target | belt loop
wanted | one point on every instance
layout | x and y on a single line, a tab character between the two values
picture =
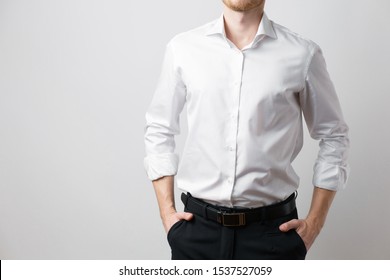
188	197
205	211
184	198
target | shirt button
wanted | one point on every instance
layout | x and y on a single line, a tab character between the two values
230	148
230	180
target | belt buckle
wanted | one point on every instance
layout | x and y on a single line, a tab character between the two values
231	219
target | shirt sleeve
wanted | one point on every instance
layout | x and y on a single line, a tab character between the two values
325	121
162	120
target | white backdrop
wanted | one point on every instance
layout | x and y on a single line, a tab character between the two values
76	78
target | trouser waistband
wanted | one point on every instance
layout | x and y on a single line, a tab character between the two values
237	217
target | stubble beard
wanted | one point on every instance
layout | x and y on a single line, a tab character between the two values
243	5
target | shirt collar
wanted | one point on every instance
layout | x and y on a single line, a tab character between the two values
265	27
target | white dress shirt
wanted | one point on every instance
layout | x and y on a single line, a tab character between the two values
244	111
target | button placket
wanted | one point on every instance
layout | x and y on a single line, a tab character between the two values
232	141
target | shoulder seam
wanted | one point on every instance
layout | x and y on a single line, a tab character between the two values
313	49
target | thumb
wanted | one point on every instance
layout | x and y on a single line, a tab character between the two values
184	216
292	224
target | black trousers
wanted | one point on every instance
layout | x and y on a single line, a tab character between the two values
203	239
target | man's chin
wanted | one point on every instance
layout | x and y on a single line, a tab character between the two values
243	7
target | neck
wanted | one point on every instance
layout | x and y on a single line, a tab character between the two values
241	27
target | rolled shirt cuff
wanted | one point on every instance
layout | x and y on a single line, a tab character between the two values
160	165
330	176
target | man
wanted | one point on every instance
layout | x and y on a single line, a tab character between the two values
246	82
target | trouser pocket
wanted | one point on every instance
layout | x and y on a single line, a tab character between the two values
173	231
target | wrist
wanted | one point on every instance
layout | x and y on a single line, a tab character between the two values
166	212
316	223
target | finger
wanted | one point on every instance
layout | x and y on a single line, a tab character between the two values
184	216
292	224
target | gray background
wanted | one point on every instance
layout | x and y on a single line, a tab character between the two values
76	78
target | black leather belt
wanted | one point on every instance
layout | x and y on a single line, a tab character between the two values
232	217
